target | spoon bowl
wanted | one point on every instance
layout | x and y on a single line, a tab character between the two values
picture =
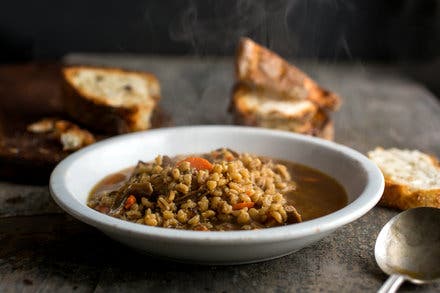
408	248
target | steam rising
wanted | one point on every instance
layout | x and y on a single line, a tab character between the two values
219	28
290	28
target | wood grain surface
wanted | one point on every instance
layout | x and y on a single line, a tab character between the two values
43	249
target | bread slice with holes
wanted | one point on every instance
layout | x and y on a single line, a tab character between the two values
258	67
412	178
110	100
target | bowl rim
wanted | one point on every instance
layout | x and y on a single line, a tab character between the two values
360	206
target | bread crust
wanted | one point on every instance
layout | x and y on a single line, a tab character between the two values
402	197
260	68
327	131
96	114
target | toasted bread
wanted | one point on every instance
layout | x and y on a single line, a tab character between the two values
110	100
319	125
254	107
261	68
412	178
271	93
258	102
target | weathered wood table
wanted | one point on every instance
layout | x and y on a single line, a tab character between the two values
44	249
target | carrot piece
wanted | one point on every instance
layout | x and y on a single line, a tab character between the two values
198	163
131	200
239	206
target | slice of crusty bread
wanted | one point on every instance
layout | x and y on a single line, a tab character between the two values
318	125
271	93
255	107
249	101
259	67
412	178
110	100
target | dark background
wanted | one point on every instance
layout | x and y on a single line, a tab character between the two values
403	32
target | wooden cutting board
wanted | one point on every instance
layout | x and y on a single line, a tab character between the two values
29	92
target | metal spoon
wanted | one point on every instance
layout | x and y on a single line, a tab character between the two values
408	248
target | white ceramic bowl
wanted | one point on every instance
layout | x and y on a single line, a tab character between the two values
74	177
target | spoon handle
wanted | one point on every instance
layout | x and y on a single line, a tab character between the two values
392	284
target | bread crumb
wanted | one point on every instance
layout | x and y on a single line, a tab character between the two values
42	126
70	135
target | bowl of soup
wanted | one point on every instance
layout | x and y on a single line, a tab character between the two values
216	194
